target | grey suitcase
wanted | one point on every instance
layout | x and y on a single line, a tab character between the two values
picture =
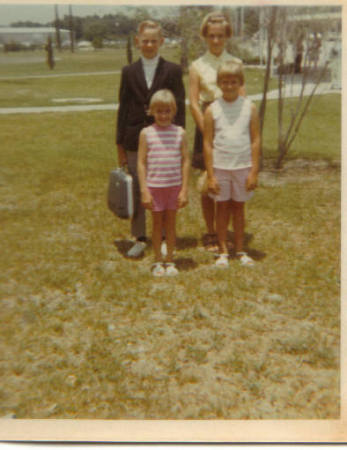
120	194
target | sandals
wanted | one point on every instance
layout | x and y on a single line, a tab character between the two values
244	259
211	244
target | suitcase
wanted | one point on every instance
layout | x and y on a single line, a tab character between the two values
120	194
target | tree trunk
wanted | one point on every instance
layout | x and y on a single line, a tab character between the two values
72	38
57	28
49	50
262	108
285	145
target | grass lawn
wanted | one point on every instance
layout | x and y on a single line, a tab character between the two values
320	132
18	90
88	333
34	62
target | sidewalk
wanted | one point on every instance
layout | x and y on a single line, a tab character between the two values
288	91
294	90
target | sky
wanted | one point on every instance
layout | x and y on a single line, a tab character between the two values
43	13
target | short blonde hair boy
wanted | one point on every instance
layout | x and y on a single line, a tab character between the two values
151	25
162	97
230	67
213	18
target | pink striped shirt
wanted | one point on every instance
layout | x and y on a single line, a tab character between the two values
164	157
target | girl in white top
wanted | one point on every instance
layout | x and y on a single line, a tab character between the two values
163	169
215	30
231	153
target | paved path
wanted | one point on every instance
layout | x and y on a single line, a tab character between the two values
290	91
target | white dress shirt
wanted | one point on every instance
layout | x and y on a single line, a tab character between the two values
149	68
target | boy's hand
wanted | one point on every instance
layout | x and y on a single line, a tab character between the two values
182	200
147	200
122	157
252	181
213	186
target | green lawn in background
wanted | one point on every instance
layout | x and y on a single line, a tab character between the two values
34	62
319	136
18	89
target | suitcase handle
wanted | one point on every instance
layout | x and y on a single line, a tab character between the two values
125	168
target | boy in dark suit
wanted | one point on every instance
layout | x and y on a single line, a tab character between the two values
139	81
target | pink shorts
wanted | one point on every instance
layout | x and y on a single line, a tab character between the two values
232	185
164	198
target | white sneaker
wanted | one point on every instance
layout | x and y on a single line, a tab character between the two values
222	260
244	259
137	249
158	269
171	269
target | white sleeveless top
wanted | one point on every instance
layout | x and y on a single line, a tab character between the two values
232	142
164	156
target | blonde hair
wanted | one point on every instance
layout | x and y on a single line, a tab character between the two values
231	68
164	97
213	18
151	25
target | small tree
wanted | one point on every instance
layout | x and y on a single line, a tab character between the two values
284	30
189	22
49	50
268	19
97	42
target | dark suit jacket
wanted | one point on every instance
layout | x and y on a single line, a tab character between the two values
134	97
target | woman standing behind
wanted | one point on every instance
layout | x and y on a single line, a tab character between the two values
215	30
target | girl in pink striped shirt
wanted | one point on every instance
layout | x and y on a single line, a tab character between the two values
163	169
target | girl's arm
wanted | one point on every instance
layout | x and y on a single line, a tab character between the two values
183	195
255	149
208	151
194	91
146	197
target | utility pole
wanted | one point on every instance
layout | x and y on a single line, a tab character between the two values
71	26
57	28
242	20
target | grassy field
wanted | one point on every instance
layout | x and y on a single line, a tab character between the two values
18	89
88	333
320	133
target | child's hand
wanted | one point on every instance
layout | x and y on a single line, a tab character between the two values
122	157
252	181
182	200
147	200
213	186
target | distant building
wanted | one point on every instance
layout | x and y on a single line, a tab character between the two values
325	26
30	36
